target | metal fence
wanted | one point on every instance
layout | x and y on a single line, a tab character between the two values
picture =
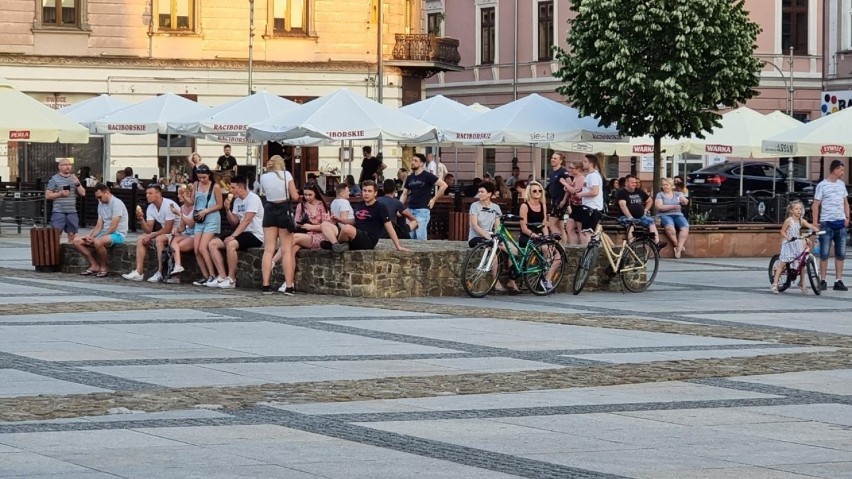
22	207
754	207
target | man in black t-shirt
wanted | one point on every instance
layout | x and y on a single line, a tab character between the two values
403	220
227	163
362	232
633	203
418	191
372	166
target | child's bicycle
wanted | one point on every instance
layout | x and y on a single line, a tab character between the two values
805	261
540	259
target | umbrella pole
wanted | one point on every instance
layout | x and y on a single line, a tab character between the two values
456	161
742	164
105	169
168	152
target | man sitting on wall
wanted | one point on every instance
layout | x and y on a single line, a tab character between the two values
159	211
110	230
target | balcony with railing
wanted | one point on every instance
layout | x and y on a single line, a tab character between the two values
426	55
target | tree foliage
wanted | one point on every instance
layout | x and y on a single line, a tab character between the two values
659	67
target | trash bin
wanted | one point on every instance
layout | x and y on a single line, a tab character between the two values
459	224
44	248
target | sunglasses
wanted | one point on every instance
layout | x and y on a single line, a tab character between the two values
535	191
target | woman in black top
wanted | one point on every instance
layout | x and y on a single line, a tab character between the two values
533	210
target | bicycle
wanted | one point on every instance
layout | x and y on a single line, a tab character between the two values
636	263
805	260
540	263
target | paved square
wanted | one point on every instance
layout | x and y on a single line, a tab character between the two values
706	375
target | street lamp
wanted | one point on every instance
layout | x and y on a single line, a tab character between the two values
787	85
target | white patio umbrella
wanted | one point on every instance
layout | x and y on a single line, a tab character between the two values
149	117
533	121
25	119
444	114
740	135
479	107
529	121
88	111
343	115
637	145
232	118
827	136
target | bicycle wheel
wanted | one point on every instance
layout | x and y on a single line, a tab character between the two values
785	280
585	267
638	266
477	275
547	260
813	274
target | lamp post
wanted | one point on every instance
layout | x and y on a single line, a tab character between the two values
250	71
788	85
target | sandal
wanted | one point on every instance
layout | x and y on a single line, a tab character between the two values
89	272
774	288
803	287
102	274
677	251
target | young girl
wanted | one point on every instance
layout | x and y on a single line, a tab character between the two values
790	250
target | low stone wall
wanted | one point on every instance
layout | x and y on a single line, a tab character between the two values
431	269
722	241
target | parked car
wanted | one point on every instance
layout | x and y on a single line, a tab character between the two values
723	179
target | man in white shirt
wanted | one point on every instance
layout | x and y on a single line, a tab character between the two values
431	166
247	215
592	197
159	211
831	211
110	230
340	208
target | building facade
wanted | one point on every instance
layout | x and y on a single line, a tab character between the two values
64	51
838	56
507	54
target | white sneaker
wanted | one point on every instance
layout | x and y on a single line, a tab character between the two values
173	281
228	283
133	276
177	269
214	282
155	278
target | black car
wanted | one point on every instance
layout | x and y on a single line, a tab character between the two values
723	179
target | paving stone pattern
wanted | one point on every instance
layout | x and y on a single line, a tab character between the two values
705	375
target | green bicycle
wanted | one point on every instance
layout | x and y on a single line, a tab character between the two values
540	263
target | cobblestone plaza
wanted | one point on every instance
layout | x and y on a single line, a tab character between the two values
706	375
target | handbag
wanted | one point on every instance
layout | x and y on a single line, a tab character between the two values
287	207
206	202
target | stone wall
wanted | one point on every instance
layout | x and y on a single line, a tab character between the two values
431	269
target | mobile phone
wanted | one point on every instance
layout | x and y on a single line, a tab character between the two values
66	188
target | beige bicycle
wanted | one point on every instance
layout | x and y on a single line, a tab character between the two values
636	261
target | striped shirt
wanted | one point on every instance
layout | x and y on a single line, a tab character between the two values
67	204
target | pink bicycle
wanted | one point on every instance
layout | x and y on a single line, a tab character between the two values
805	261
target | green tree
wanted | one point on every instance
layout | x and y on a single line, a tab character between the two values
659	67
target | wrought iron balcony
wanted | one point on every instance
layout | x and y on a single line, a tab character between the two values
429	54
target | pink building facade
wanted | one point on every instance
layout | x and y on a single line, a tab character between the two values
505	49
837	67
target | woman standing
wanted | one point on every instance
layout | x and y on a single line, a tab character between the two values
278	222
208	223
501	189
573	186
194	160
669	203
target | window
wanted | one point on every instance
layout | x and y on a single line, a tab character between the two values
176	15
289	16
433	23
794	26
60	13
487	35
545	31
489	161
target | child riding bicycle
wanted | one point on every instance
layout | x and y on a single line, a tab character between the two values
790	249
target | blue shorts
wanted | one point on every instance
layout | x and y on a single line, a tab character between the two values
67	222
836	235
209	225
645	221
678	221
117	238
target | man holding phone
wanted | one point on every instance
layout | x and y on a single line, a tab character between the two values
63	189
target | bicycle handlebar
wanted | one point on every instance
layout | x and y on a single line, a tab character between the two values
806	236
